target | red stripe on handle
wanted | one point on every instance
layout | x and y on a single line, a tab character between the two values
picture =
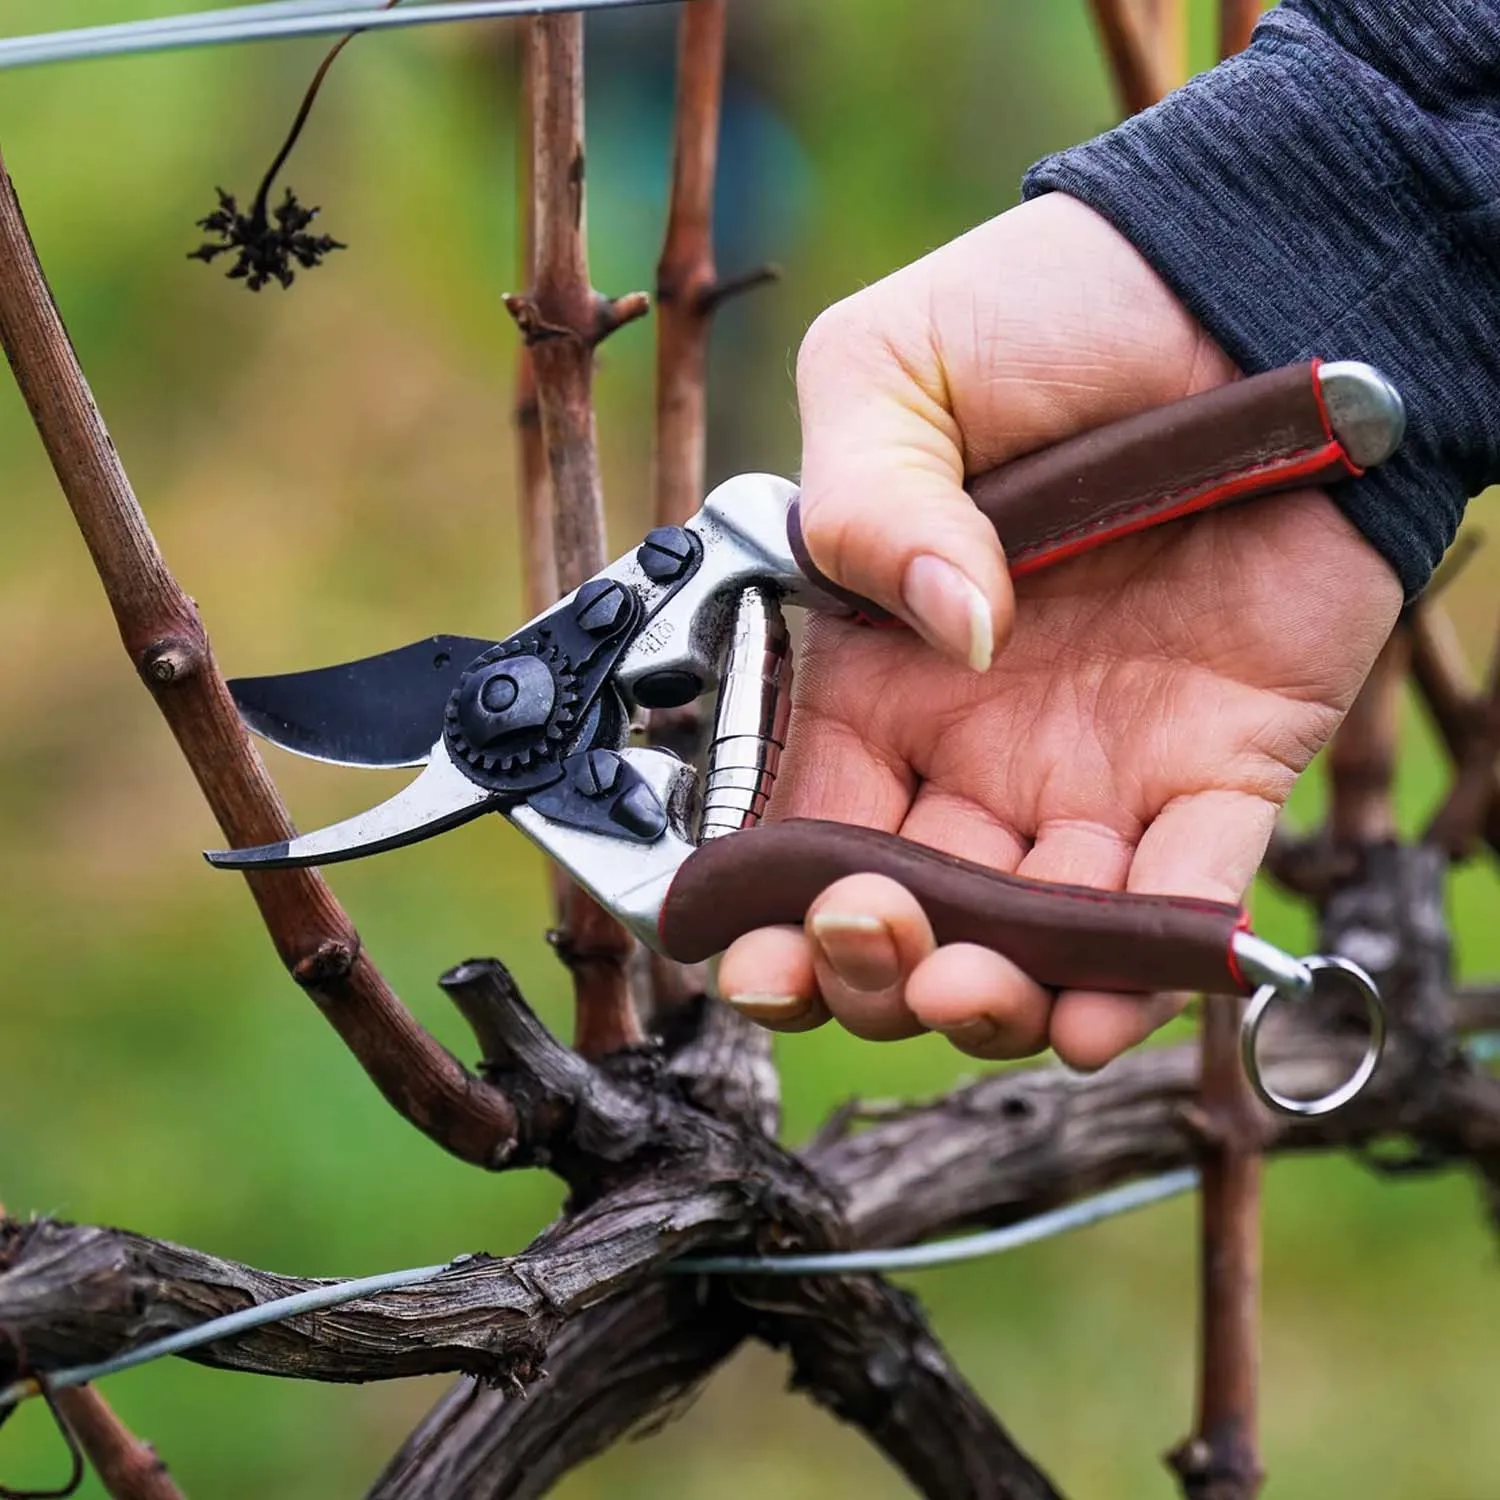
1303	468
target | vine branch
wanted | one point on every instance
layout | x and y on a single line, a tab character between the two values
1145	45
688	292
996	1151
562	320
1237	20
169	648
1445	684
688	288
1471	801
128	1468
1362	755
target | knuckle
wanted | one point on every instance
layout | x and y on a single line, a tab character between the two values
826	339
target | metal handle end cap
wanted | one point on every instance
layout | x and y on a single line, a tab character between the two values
1364	409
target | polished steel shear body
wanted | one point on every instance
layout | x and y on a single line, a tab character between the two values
538	726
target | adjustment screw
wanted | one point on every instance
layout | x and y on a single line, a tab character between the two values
597	773
600	606
510	696
665	554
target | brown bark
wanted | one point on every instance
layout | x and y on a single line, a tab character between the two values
861	1349
628	1363
484	1316
625	1365
1361	771
168	646
1460	821
128	1468
688	291
688	288
561	315
1145	44
1445	685
539	584
1220	1461
1362	757
540	560
585	1293
1012	1144
997	1151
685	274
660	1177
858	1347
538	549
562	319
1237	20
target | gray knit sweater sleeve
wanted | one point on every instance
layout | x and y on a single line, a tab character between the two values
1335	191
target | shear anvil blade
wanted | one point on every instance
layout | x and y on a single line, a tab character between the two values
380	711
440	798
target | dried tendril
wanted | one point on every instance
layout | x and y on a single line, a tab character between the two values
272	244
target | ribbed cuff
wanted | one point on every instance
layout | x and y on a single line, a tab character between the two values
1300	204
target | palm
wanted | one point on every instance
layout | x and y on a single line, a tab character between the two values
1137	681
1141	727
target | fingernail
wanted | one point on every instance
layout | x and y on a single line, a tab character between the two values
967	1035
770	1009
949	610
861	950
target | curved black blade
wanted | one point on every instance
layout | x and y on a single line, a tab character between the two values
384	710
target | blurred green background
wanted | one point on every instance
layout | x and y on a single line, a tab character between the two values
330	472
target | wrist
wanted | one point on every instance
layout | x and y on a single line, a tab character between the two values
1299	203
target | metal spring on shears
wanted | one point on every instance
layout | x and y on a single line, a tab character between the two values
750	723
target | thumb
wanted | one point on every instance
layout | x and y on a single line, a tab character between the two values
883	509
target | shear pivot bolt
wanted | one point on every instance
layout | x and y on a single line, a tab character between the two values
512	696
665	554
601	605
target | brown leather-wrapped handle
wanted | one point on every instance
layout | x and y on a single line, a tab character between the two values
1251	437
1064	936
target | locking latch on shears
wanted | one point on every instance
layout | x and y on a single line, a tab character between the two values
538	726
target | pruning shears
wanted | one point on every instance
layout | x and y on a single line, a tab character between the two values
538	726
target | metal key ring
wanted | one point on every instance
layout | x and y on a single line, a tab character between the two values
1323	1104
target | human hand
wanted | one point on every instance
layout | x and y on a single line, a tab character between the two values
1131	719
